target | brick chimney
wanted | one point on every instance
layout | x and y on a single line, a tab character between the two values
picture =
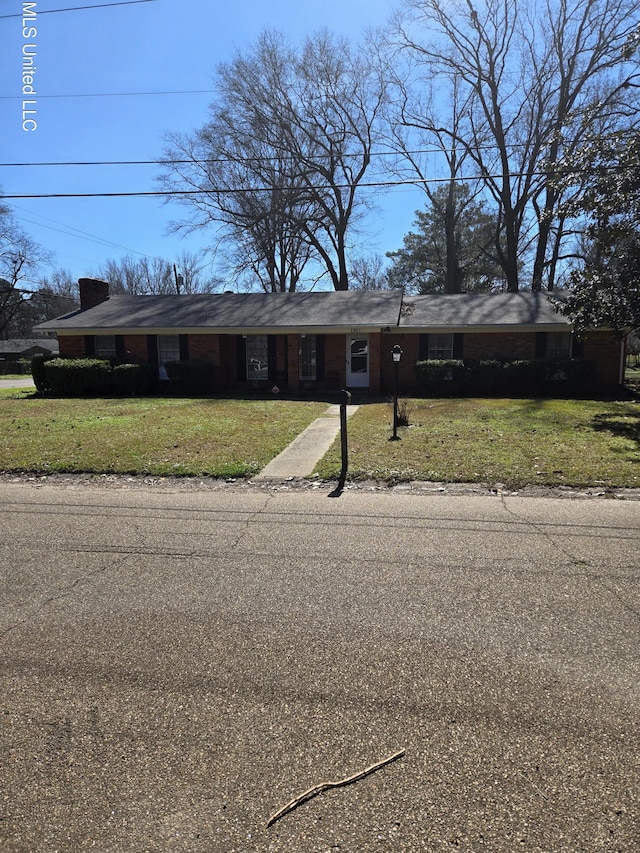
92	292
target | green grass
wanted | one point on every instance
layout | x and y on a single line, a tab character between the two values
515	442
164	437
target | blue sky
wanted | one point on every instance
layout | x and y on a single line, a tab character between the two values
158	46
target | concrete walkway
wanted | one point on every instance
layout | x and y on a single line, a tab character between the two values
300	457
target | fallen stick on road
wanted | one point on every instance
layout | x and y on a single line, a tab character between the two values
324	786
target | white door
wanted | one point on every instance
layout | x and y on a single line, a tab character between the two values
357	361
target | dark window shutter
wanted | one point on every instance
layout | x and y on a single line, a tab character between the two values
120	350
541	344
285	344
152	349
577	347
423	348
272	358
89	346
184	347
458	345
320	358
241	358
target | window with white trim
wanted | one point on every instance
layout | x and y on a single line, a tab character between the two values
168	348
440	347
558	346
257	357
105	346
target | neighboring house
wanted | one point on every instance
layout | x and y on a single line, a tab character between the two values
16	350
326	340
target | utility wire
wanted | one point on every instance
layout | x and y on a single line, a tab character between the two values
410	182
114	94
80	8
169	161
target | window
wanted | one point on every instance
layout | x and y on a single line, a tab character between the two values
105	346
168	348
440	347
307	361
257	357
558	345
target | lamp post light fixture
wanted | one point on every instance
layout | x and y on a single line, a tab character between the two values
396	354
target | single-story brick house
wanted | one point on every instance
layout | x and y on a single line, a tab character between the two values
326	340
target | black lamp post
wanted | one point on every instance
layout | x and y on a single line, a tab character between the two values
396	353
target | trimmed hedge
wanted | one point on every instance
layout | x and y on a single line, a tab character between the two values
78	377
521	378
191	377
87	377
133	380
441	378
38	373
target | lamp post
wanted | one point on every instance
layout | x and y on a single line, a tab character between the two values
396	353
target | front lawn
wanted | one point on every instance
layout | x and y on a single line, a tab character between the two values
515	442
179	437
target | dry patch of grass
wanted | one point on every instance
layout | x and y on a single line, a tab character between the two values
177	437
516	442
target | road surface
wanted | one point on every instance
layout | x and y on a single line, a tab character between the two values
178	664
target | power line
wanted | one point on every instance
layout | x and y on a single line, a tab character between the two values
115	94
173	162
169	161
84	235
81	8
236	190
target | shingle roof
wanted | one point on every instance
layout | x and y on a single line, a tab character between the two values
319	311
460	311
237	312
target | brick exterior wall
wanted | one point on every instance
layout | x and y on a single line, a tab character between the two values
501	346
71	346
135	347
335	361
600	347
409	344
606	351
205	348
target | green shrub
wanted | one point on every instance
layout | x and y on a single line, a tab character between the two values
441	378
520	378
523	377
191	377
485	378
132	380
78	377
568	376
38	372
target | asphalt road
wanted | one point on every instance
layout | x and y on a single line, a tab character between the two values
178	664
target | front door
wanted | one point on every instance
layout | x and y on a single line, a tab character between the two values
358	361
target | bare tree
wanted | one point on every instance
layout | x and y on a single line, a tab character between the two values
189	270
367	272
20	259
279	165
145	275
431	156
529	79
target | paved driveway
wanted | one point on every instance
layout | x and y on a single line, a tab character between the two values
176	665
26	382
